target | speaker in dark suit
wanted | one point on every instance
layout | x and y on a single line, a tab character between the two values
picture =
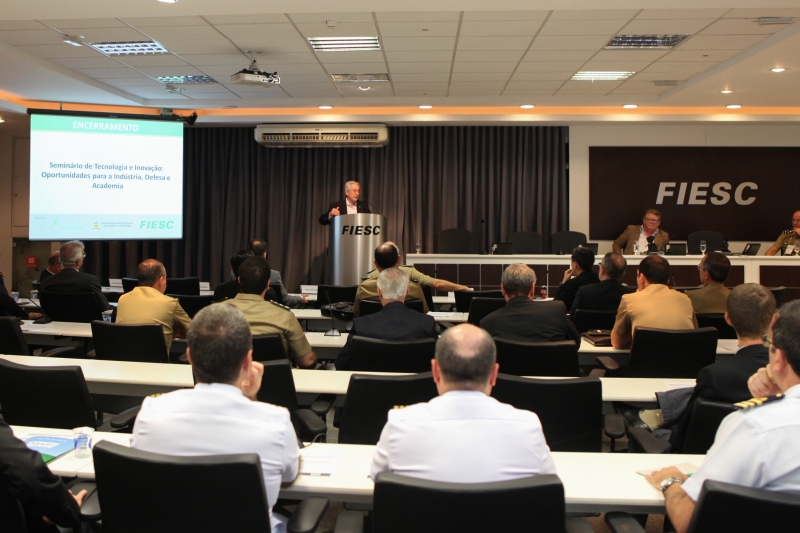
352	191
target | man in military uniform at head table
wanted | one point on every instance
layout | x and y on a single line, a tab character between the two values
266	317
789	240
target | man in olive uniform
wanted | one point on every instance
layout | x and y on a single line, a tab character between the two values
387	255
268	316
789	238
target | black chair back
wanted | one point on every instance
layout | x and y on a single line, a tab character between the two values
179	493
737	509
12	340
128	284
665	353
268	347
704	421
193	304
586	319
336	293
715	242
571	410
564	242
370	307
545	359
47	397
403	504
183	286
142	343
464	298
378	355
779	293
525	243
481	307
454	241
370	398
70	307
426	290
277	384
716	320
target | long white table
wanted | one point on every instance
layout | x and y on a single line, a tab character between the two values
316	314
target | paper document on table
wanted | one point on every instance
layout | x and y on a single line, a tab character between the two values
32	327
318	464
440	314
687	468
679	385
308	289
732	345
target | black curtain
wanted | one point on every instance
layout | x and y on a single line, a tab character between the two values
492	180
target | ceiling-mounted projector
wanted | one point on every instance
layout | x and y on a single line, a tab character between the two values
253	75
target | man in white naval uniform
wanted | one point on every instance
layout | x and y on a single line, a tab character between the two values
755	447
221	414
464	435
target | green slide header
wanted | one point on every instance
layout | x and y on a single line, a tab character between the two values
75	124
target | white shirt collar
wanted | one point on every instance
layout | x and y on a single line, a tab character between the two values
219	387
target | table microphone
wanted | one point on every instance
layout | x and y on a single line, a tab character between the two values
651	246
333	332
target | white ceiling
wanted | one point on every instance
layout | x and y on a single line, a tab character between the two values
444	57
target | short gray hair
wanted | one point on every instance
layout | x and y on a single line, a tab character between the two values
466	355
393	284
218	339
615	265
349	185
70	253
518	279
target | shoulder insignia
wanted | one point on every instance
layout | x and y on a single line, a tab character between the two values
156	395
399	407
277	304
755	402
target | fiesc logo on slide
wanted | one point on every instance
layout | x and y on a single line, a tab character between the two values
156	224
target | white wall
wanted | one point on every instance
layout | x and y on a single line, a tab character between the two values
581	137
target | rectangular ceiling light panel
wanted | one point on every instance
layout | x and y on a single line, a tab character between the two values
638	42
359	78
589	75
344	44
186	79
130	48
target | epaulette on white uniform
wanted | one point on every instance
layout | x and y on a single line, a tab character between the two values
276	304
755	402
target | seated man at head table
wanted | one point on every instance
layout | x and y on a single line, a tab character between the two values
268	316
579	274
259	249
606	295
53	267
714	268
643	236
464	435
394	322
387	255
653	305
71	280
789	240
230	288
756	446
523	319
147	303
221	414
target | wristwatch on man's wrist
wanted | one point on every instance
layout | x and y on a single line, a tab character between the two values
668	482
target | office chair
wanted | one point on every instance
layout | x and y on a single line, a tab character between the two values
143	343
268	347
378	355
525	243
12	340
128	284
522	358
428	293
779	293
183	286
454	241
480	308
563	242
193	304
730	508
715	242
586	319
403	504
370	307
336	294
464	298
369	399
144	491
70	307
716	320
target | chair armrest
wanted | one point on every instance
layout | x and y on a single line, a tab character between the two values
607	362
644	440
445	308
309	424
597	373
322	404
349	522
614	425
126	418
90	509
66	351
623	523
307	516
576	524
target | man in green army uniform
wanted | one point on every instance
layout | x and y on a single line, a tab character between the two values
789	240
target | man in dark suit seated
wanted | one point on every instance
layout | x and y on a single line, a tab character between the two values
606	295
395	322
71	280
523	319
53	267
229	289
349	206
577	275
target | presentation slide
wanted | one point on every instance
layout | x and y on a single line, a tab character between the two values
105	178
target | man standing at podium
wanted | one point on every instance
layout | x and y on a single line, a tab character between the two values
351	205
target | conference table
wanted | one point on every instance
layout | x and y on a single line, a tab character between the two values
593	482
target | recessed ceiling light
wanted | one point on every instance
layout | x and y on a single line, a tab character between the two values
726	91
344	44
593	75
644	41
630	106
359	78
74	40
778	69
733	106
129	48
527	106
186	79
365	88
326	107
168	1
426	107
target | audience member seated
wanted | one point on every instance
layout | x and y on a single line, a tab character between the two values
71	279
578	274
32	499
11	308
714	269
387	255
463	435
259	249
147	304
754	447
653	305
523	319
53	267
221	415
268	316
395	322
606	295
229	289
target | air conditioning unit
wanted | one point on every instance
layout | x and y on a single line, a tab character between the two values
327	135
